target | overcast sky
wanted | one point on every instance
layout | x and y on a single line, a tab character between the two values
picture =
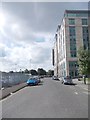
27	33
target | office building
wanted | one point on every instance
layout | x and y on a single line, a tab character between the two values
73	33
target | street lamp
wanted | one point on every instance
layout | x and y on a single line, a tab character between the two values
15	66
30	67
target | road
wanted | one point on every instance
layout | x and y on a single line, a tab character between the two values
49	100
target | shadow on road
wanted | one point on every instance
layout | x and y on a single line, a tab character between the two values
40	84
73	84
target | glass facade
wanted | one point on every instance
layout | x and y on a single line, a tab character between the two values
85	37
77	14
73	70
84	22
72	41
71	21
72	31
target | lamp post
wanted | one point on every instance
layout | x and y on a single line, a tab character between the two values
15	66
30	67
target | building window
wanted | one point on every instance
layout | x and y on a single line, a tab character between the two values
71	21
72	68
73	54
72	30
71	15
84	14
64	73
72	46
85	37
84	22
72	41
72	64
85	30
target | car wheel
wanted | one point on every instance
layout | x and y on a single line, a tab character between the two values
62	82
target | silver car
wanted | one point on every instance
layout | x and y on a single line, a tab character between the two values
67	80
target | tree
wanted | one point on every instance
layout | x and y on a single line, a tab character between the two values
50	72
11	72
84	61
41	71
26	71
33	72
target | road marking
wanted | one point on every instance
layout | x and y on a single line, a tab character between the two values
11	93
82	87
85	89
76	93
88	93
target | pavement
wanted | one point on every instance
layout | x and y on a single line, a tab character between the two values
82	85
49	100
5	92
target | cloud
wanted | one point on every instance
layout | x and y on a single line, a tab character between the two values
27	33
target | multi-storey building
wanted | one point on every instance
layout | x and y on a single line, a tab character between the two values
72	34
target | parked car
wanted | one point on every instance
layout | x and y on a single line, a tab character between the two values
60	78
55	78
67	80
38	78
32	81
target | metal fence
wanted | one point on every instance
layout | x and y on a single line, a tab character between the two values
10	79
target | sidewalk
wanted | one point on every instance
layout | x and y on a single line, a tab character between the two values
8	91
82	85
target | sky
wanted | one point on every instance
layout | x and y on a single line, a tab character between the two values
27	31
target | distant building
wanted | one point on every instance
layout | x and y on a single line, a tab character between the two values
73	33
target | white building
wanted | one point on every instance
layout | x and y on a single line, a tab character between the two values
72	34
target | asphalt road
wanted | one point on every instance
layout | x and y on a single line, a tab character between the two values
49	100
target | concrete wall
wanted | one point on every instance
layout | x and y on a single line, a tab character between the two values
10	79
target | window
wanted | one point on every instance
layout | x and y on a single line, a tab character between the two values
72	46
72	64
84	14
85	46
71	21
72	31
64	73
72	41
73	53
85	30
85	37
84	22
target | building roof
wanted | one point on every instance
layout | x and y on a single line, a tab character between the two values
76	11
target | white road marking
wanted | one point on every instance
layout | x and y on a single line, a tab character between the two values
88	93
85	89
76	93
